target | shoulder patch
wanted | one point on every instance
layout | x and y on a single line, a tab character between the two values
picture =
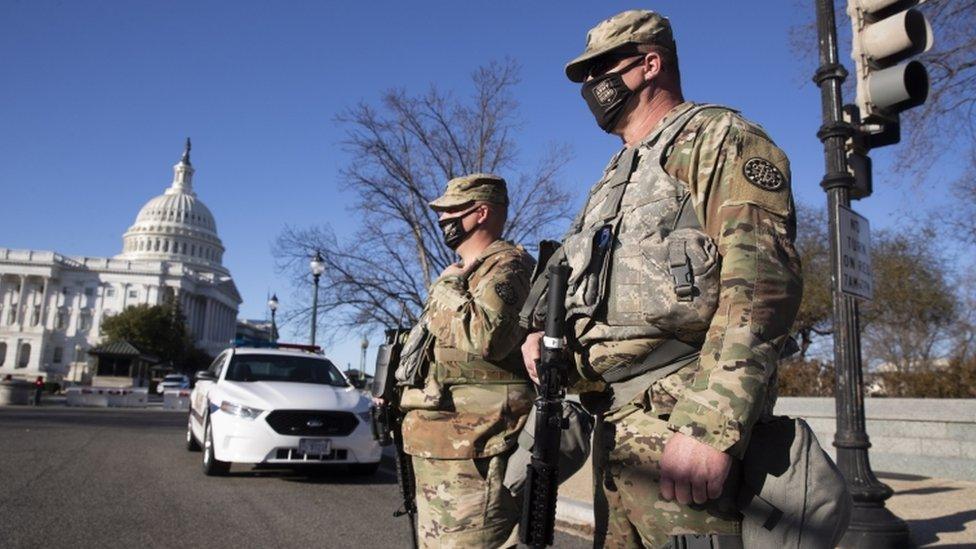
763	174
506	292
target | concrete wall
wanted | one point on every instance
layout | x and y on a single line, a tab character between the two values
928	437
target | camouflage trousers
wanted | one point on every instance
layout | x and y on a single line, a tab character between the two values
462	503
630	510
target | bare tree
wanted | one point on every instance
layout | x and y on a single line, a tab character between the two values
912	318
814	317
961	219
946	122
404	151
914	314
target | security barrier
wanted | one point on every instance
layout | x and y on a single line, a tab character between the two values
16	392
176	399
133	397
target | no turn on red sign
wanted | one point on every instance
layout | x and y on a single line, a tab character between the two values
856	278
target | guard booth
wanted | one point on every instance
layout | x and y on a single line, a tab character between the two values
121	364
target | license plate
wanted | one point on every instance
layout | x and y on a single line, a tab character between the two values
315	446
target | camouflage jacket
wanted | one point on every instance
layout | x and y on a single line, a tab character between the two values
739	185
483	394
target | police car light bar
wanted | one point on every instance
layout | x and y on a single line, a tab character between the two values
264	344
299	346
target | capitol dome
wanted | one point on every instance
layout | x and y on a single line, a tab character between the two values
176	226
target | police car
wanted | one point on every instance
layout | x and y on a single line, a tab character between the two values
173	381
285	406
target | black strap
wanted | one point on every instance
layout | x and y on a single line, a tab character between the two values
681	272
670	354
678	261
618	184
601	507
539	286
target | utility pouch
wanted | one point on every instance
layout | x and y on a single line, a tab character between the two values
415	359
429	397
598	267
387	362
679	285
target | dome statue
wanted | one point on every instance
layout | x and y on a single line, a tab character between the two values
176	226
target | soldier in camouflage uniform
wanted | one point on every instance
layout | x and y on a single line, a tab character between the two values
683	288
463	424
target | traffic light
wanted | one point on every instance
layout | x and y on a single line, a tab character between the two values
858	161
886	33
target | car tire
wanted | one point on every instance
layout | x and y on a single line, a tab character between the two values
191	441
364	469
212	467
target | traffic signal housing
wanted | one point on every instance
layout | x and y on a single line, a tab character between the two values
886	34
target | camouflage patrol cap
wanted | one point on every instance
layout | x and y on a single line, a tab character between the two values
477	187
629	28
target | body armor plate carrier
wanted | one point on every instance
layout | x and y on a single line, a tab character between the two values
640	261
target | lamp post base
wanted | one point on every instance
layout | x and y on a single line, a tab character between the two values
875	527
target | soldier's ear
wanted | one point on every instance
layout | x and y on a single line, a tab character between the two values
486	210
652	65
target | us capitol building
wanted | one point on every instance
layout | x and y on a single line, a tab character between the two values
52	305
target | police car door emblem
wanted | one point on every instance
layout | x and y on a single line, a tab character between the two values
763	174
605	93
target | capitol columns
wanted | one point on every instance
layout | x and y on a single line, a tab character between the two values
42	314
207	319
19	311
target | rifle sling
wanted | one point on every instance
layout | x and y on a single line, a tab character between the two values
539	287
628	381
661	358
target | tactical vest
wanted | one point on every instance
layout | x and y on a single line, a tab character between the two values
640	262
451	366
455	367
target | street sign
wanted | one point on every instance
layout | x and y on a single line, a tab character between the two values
856	278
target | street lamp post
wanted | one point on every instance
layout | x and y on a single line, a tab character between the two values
872	525
362	358
318	267
273	305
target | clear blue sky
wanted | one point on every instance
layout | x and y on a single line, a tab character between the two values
97	97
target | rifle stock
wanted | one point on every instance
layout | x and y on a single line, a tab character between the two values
542	480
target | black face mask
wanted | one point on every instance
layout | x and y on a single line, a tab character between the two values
607	96
453	229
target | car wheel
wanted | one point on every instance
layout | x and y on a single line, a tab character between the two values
364	469
191	442
212	467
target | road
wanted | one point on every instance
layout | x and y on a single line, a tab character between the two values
74	477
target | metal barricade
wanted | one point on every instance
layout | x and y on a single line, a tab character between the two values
176	399
102	397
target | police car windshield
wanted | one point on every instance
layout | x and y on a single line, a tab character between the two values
295	369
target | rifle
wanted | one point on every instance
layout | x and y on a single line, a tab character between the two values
542	478
388	420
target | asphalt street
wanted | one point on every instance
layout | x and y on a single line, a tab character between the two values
74	477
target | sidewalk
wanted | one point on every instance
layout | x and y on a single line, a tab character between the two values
938	512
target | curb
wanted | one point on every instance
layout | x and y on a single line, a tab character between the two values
575	517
